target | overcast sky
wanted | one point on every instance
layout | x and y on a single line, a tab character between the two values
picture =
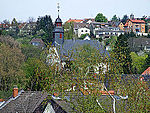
23	9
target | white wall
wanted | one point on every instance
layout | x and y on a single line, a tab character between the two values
83	31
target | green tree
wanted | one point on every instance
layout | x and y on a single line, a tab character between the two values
83	36
124	19
100	18
11	60
35	70
122	53
31	51
69	30
14	28
147	62
138	63
86	96
114	19
45	23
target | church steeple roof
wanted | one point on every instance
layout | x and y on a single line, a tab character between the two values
58	20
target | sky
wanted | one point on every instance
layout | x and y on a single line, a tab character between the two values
75	9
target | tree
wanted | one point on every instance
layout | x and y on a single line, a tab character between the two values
11	60
138	62
83	87
69	30
31	51
31	20
124	19
15	28
122	53
114	19
35	70
83	36
100	18
147	62
45	23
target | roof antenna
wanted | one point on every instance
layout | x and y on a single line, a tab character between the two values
58	9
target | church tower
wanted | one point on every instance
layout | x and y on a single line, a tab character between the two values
58	32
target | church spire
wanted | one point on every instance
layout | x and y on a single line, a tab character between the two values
58	7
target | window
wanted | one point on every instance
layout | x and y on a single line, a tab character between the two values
60	36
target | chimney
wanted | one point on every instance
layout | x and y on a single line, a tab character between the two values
15	91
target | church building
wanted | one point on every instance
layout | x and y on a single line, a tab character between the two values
61	49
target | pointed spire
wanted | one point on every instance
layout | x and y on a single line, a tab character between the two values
58	9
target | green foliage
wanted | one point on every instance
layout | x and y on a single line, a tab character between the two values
35	70
45	23
122	54
114	19
124	19
31	51
138	63
147	62
83	36
69	30
100	18
11	60
15	29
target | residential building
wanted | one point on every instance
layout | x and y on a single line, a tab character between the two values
137	44
107	32
82	31
27	29
88	20
118	24
75	20
4	26
37	42
135	25
78	26
147	71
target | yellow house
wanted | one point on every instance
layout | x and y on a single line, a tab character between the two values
121	26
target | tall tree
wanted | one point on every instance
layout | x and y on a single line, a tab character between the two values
45	23
114	19
69	30
100	18
11	60
124	19
122	54
14	28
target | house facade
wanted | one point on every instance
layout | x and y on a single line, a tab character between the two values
82	31
135	25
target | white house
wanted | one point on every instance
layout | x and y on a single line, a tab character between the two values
82	31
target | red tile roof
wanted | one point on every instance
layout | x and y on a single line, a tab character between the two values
74	20
126	24
138	21
146	72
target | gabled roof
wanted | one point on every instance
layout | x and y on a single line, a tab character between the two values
147	71
75	20
137	21
25	102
